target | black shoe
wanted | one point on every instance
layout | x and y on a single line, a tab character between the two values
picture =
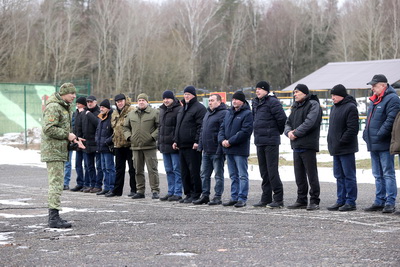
131	194
165	198
174	198
275	205
215	201
187	200
184	199
297	205
66	187
240	204
103	192
374	208
229	203
155	195
202	200
347	207
77	188
260	205
334	207
111	194
312	206
389	209
137	196
55	221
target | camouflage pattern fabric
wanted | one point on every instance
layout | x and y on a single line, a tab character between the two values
117	123
55	171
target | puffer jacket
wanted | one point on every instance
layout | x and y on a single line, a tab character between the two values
117	123
380	119
141	128
166	131
55	129
395	142
104	133
89	126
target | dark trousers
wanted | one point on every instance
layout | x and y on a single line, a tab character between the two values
190	160
123	155
268	162
305	165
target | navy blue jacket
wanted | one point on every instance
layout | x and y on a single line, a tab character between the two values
104	134
90	121
269	120
380	118
212	121
167	126
237	128
343	127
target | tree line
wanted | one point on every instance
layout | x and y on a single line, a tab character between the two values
135	46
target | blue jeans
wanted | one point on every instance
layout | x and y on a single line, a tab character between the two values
95	179
344	170
108	167
173	169
80	175
210	163
67	169
237	166
385	177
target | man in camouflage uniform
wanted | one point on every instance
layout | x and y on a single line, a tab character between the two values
56	134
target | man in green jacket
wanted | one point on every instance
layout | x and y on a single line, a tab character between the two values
141	129
56	135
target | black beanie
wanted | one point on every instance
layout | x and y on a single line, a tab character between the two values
190	89
239	95
119	97
263	85
303	88
81	100
168	94
339	90
105	103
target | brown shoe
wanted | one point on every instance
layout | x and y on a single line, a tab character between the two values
87	189
95	190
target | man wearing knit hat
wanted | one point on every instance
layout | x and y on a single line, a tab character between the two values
141	129
234	136
269	123
186	139
302	128
342	145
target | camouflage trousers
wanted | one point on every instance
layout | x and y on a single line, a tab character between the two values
55	172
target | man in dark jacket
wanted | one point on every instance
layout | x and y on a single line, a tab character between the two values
302	128
342	145
382	111
104	133
269	123
187	133
213	158
234	136
168	113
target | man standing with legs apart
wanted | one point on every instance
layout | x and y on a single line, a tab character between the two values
187	134
56	134
302	128
213	156
168	113
269	123
342	145
141	129
234	136
382	111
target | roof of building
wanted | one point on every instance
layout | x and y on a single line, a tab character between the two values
353	75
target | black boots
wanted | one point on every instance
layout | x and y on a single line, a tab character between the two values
55	221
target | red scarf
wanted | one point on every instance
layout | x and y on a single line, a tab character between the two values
377	99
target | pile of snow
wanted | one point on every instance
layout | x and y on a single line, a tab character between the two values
33	137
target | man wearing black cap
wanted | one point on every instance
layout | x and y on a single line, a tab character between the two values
302	128
382	111
342	145
186	139
234	136
269	123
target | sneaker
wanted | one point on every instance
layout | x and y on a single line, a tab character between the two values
66	187
77	188
347	207
202	200
240	204
174	198
165	198
215	201
297	205
155	195
374	207
260	205
103	192
229	203
275	205
334	207
389	209
313	206
137	196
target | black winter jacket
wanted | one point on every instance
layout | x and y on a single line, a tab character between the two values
167	126
104	134
269	120
188	124
212	121
343	127
89	126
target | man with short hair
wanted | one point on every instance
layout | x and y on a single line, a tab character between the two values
213	157
234	136
303	128
382	111
141	129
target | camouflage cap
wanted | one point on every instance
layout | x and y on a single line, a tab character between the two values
67	88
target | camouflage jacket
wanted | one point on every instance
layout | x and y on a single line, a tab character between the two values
117	123
55	129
